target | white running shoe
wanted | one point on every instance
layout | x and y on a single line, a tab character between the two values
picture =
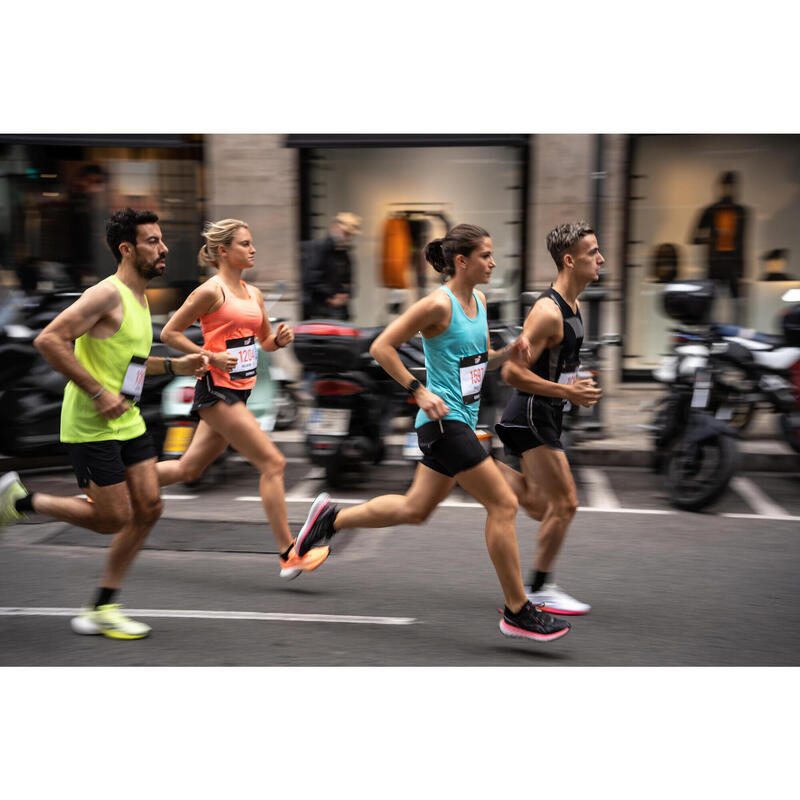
11	490
555	600
109	621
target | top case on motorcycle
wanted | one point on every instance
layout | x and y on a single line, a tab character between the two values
328	345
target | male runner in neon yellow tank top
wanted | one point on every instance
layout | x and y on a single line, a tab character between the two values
112	453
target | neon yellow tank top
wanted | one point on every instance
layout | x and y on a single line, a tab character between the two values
107	360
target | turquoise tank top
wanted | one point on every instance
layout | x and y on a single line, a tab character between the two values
456	362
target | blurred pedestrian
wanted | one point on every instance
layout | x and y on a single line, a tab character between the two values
531	425
327	270
112	454
231	314
722	227
453	324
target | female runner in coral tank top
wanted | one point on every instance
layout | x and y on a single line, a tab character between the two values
231	314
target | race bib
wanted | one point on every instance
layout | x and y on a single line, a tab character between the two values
471	369
247	357
133	382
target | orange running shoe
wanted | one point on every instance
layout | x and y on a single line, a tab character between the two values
293	564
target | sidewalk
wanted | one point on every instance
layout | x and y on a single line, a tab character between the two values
623	442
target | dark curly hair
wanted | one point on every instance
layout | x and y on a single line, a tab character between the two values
121	227
460	240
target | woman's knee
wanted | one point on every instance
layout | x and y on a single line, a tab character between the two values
506	505
272	464
416	514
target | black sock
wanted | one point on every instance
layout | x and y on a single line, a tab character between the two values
538	579
24	505
104	596
285	554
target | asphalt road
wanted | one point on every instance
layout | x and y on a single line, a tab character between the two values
667	588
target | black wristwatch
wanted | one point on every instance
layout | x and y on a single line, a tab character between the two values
413	386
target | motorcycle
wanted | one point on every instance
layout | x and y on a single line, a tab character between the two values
354	398
694	443
757	370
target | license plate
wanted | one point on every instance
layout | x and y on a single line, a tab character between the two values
328	422
178	438
411	447
702	385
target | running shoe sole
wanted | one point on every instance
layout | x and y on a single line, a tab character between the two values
320	503
87	628
562	612
507	629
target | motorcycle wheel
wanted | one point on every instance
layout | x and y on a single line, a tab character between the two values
288	405
697	473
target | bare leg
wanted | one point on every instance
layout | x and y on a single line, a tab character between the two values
549	470
204	449
427	490
485	483
109	511
237	425
530	496
142	481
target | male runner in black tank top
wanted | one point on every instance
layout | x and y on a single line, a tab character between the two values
530	427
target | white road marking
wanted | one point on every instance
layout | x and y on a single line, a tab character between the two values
778	517
234	615
756	499
601	495
307	484
627	510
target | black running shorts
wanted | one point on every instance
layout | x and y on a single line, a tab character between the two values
529	422
206	394
103	463
451	448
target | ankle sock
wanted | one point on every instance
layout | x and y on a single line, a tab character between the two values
288	550
538	579
104	596
24	505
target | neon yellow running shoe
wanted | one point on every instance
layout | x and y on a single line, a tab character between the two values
109	621
11	490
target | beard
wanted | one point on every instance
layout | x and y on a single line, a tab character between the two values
149	269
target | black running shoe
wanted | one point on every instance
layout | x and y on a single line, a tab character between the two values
531	622
318	526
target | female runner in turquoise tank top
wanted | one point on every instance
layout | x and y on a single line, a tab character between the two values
452	321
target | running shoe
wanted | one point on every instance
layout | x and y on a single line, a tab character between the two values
293	564
109	621
555	600
318	526
532	623
11	490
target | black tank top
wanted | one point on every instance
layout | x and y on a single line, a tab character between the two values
564	358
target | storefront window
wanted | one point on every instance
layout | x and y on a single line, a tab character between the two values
704	206
55	198
407	196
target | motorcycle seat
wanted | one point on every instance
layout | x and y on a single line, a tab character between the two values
779	360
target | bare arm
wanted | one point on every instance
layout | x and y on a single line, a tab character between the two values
543	328
94	309
429	315
519	349
199	303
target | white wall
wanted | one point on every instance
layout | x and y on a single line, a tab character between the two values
470	183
